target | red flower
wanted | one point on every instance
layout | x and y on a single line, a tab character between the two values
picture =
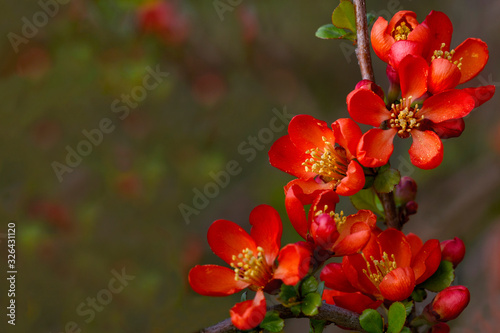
309	153
448	304
389	267
252	258
405	120
453	250
338	234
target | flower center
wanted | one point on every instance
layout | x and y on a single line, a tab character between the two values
401	31
338	218
404	118
380	268
448	55
252	268
330	162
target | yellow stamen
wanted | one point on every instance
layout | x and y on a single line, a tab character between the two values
448	55
404	118
380	268
401	31
329	162
252	269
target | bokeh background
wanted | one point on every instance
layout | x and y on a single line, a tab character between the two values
233	67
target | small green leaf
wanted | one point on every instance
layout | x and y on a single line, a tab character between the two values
443	277
295	309
311	303
329	31
406	330
309	285
418	294
408	305
396	317
386	180
321	287
243	296
371	321
316	326
288	295
344	16
370	18
367	199
272	322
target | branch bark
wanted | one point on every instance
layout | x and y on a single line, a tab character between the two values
363	49
330	313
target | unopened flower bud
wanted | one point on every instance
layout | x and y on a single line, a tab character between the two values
406	190
324	230
411	207
370	85
440	328
448	304
453	250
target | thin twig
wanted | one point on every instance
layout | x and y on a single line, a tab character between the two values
363	49
391	217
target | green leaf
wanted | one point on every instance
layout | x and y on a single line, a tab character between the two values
408	305
386	180
329	31
406	330
311	303
396	317
321	287
418	294
344	16
316	326
288	295
370	18
371	321
272	322
309	285
443	277
367	199
295	309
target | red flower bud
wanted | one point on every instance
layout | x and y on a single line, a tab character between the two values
440	328
324	231
370	85
406	190
453	250
411	207
448	304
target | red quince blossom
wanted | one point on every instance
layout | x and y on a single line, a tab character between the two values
448	304
406	119
453	250
388	268
309	152
323	228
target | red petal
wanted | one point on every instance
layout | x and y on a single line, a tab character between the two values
398	284
307	132
415	243
335	278
353	267
427	260
447	105
363	215
443	76
449	129
375	147
393	241
480	94
286	157
475	56
347	133
213	280
426	151
249	314
413	71
310	188
381	41
352	240
403	48
266	230
325	198
366	107
440	29
293	263
354	180
226	239
296	212
355	302
421	35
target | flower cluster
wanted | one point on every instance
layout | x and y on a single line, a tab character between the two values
378	267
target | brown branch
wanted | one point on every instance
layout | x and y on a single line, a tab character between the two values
363	49
330	313
391	216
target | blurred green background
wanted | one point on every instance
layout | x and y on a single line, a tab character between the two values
225	69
